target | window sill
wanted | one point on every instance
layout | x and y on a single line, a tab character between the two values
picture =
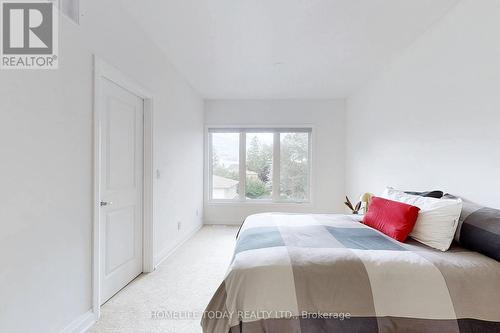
259	203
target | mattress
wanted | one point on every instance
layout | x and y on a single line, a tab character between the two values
330	273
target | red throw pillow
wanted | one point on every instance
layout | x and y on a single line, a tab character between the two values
395	219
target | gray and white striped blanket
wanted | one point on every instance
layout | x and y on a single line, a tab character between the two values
330	273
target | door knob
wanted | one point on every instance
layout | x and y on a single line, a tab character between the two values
106	203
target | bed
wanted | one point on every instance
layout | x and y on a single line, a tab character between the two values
330	273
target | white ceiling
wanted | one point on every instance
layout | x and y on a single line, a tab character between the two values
283	48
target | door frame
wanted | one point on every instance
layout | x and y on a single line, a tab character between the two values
103	70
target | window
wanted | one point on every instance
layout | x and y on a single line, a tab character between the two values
294	166
259	164
225	165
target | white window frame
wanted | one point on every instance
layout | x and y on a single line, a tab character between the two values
243	130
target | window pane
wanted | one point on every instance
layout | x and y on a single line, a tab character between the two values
294	166
225	165
259	165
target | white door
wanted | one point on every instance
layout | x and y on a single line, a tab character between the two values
121	188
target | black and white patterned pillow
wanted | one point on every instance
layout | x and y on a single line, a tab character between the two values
479	228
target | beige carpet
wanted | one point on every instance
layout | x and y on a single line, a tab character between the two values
184	282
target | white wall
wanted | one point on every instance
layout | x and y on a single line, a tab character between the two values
327	118
46	163
431	120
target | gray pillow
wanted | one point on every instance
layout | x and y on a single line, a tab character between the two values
479	228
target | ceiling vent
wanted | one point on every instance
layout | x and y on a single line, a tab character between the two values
71	8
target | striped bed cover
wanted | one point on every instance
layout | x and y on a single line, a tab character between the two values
330	273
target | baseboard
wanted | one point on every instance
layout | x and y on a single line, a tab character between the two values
238	223
81	324
164	254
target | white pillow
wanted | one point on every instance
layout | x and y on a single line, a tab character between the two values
437	220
